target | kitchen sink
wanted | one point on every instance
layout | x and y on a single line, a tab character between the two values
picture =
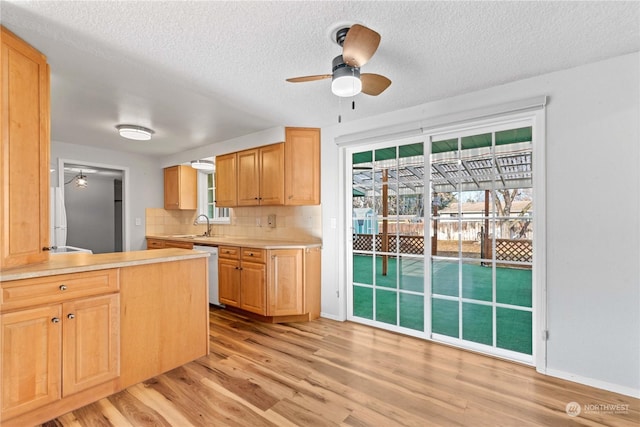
187	236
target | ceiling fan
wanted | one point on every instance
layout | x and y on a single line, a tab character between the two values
358	43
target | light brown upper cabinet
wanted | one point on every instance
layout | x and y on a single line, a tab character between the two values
226	180
302	166
180	188
277	174
24	155
261	176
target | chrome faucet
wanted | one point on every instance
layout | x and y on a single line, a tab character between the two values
208	232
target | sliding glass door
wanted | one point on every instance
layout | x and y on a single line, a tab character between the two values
452	263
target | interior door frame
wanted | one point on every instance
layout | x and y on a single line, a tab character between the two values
126	238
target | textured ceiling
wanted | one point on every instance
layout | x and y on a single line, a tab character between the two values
200	72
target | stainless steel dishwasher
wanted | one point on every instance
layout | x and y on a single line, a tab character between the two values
213	271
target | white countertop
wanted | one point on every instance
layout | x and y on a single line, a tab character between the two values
247	242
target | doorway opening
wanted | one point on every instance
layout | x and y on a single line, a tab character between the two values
94	197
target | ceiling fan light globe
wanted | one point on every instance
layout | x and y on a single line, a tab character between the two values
346	86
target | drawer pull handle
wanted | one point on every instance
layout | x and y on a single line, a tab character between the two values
63	287
71	316
55	320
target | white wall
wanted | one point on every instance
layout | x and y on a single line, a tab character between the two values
268	136
593	163
145	181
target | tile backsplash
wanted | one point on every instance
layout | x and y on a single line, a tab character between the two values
294	223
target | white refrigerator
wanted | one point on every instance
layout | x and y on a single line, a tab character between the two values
58	224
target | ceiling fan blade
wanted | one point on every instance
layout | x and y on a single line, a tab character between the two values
374	84
309	78
359	45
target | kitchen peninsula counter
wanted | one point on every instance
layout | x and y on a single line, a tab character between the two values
81	262
143	312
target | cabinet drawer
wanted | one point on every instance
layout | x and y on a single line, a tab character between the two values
176	244
155	244
254	255
229	252
45	290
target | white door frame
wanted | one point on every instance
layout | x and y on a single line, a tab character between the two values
126	240
536	114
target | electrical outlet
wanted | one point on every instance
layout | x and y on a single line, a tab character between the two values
271	221
258	221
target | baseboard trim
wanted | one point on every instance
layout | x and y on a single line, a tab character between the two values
604	385
331	317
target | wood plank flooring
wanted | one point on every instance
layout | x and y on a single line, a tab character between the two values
327	373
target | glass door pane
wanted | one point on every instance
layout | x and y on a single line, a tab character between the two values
481	228
388	236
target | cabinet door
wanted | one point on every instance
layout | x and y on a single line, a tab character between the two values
302	166
229	281
24	153
272	174
180	187
91	342
248	178
171	188
286	286
253	295
226	177
31	352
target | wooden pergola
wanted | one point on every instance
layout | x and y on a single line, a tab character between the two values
485	165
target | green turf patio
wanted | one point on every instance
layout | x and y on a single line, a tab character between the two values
513	287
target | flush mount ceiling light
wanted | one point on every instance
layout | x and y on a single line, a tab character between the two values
138	133
205	165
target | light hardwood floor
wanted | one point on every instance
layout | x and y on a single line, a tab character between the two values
327	373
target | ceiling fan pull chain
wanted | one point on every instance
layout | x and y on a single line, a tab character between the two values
339	110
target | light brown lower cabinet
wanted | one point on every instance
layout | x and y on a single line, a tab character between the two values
56	351
69	340
279	284
242	276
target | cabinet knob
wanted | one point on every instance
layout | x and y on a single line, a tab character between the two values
71	316
63	287
55	320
